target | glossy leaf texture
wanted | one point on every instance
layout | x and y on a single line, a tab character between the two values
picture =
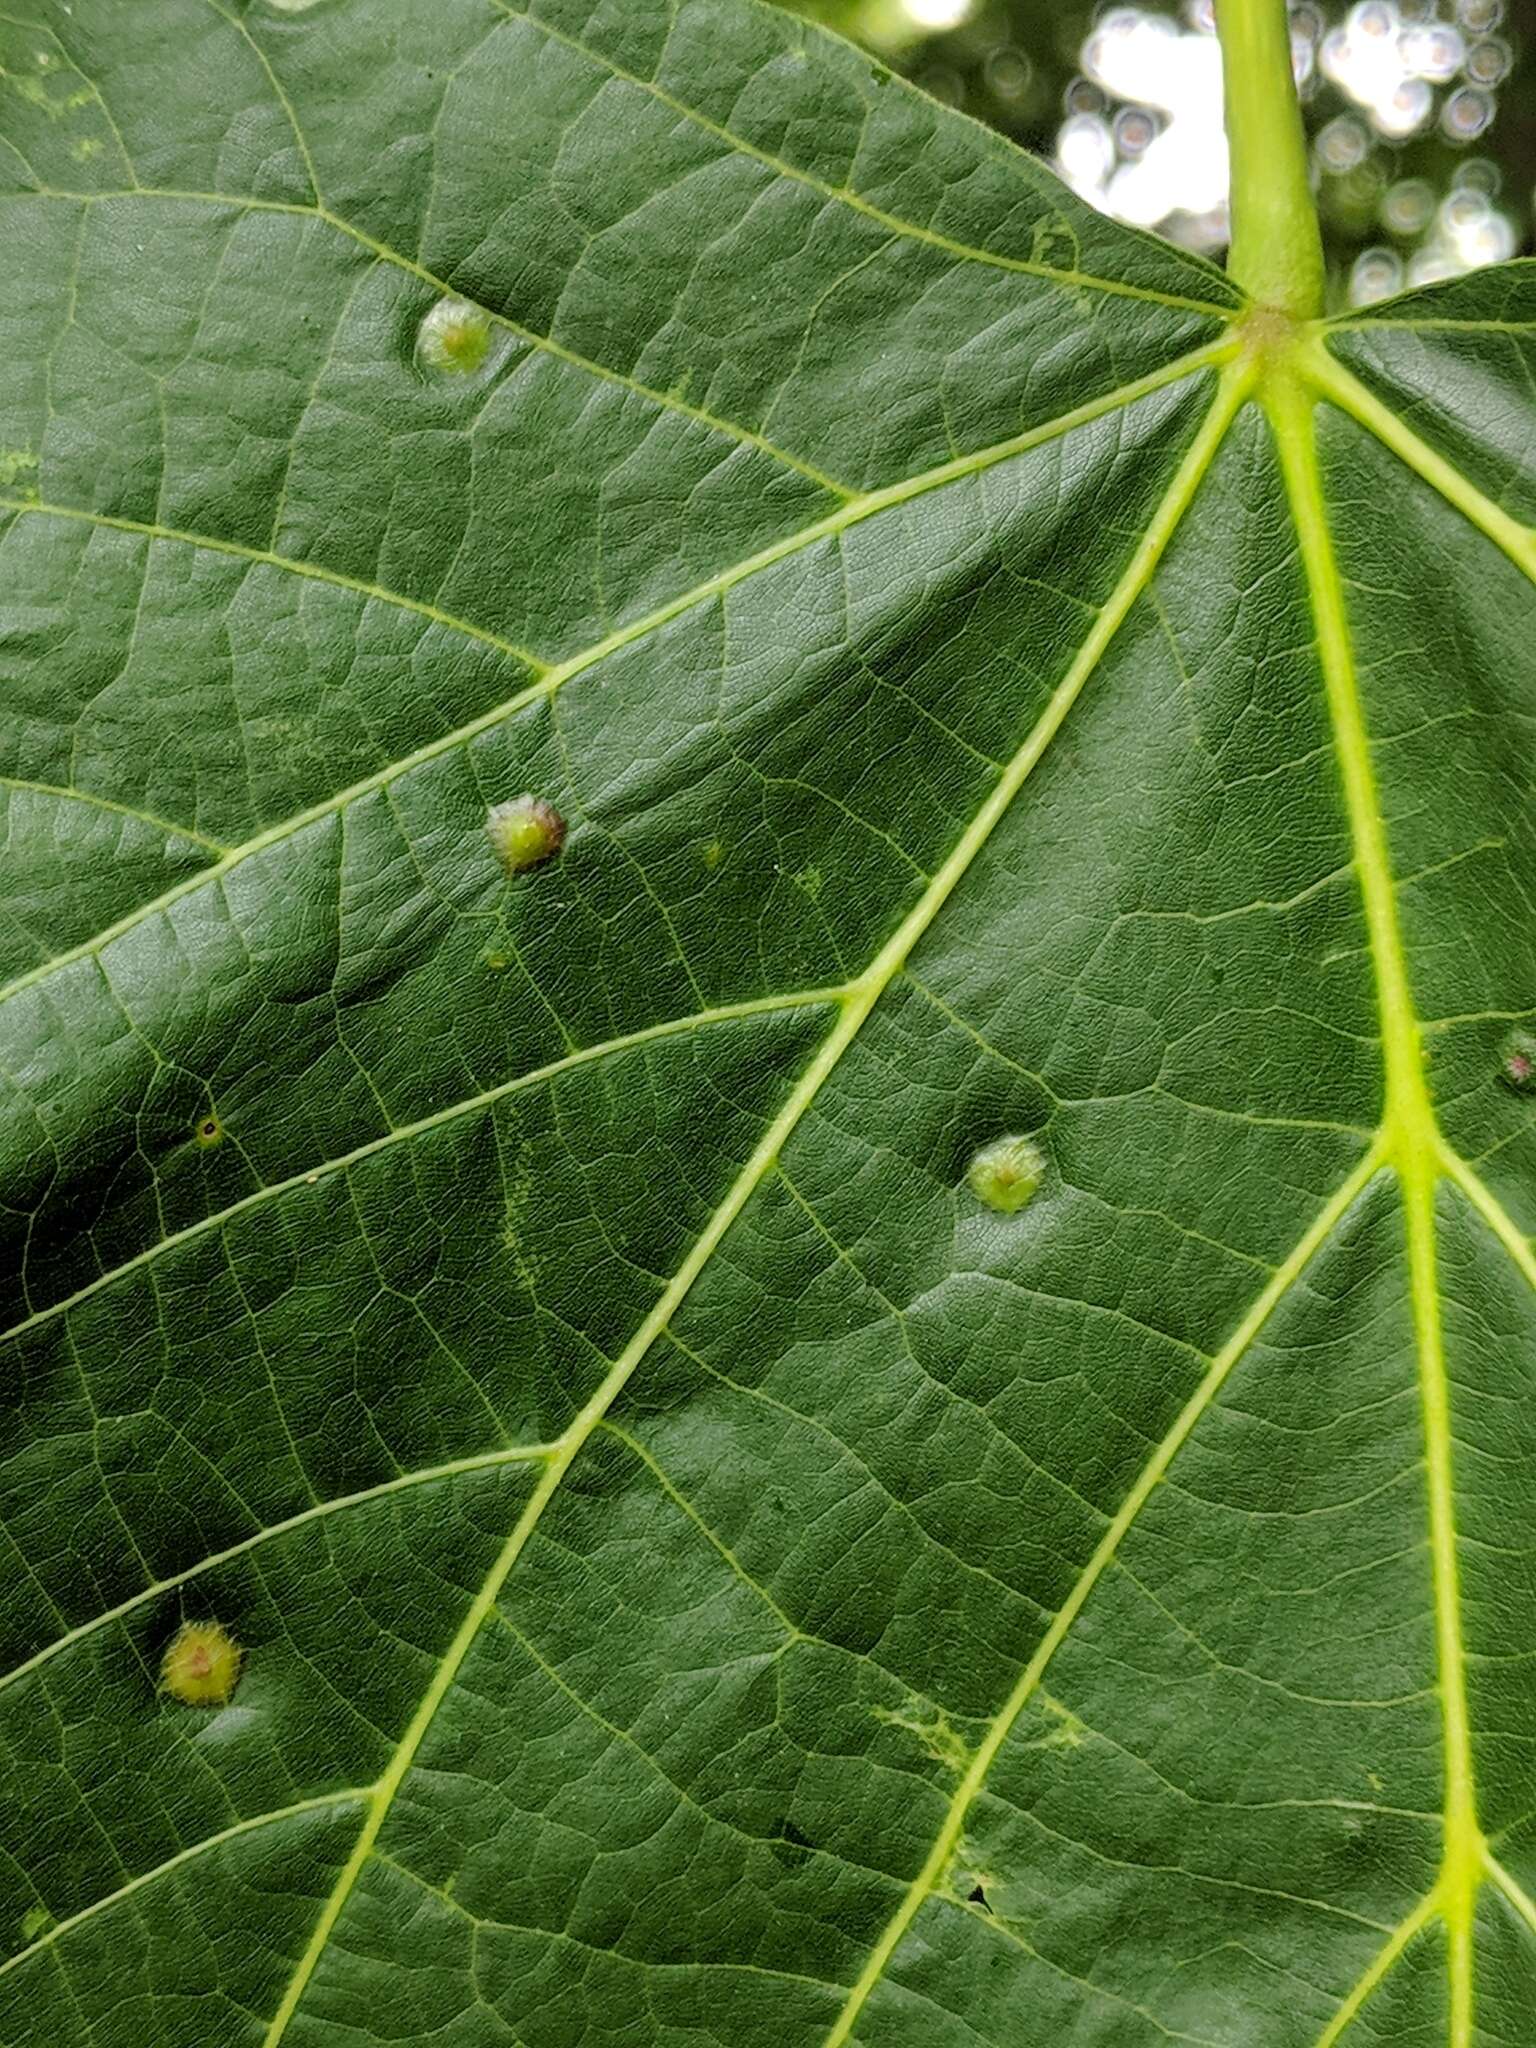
872	1382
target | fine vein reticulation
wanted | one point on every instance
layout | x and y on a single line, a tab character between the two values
553	679
1409	1143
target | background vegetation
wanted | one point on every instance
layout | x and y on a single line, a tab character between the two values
1421	113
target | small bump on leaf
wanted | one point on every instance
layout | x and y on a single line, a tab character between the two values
524	832
1517	1062
1006	1174
202	1666
207	1132
454	337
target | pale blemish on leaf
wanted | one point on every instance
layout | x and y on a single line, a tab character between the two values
524	832
528	1261
207	1131
1068	1733
1055	244
935	1734
968	1882
36	94
711	852
202	1666
1006	1174
15	463
35	1921
454	337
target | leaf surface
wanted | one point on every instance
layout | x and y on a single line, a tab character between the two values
703	1574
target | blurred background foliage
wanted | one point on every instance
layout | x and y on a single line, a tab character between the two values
1421	115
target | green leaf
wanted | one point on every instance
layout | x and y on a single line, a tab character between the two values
869	1380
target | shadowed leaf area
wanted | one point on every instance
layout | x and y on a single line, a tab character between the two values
764	1212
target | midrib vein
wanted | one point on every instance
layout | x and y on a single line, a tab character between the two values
859	1000
555	678
1412	1144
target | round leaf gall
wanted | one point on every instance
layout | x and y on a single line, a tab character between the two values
202	1666
454	337
1006	1174
1517	1062
524	832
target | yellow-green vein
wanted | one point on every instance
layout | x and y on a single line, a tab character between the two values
232	1833
844	195
486	1461
1492	1211
858	1002
1414	1147
1151	1475
106	803
1512	1889
1346	391
668	401
322	1169
553	679
293	565
1381	1965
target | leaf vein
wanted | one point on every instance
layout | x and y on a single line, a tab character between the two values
857	1006
932	1872
843	195
715	586
309	1176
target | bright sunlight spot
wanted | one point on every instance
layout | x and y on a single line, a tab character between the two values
1143	139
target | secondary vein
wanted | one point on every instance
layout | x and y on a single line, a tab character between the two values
1029	1680
1511	535
321	1169
844	195
554	679
858	1003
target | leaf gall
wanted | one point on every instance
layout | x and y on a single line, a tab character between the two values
202	1666
1517	1062
454	337
1006	1174
524	832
